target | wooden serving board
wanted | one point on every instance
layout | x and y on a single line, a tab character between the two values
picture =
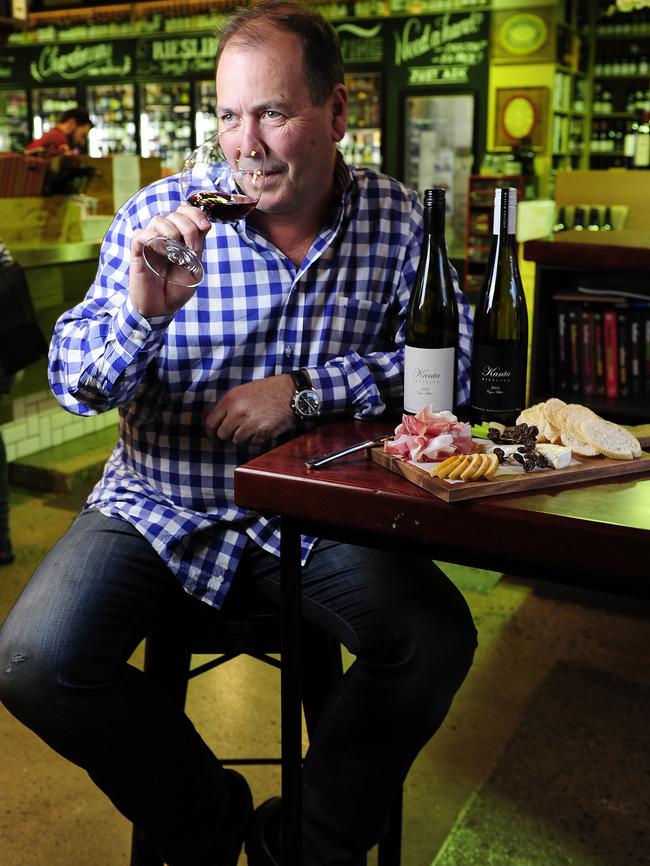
588	469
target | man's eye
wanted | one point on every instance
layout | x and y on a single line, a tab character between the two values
227	118
272	115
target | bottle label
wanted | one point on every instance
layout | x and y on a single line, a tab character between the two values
428	379
498	378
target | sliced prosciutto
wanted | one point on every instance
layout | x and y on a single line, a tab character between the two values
430	436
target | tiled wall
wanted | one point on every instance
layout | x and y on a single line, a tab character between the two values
37	426
30	418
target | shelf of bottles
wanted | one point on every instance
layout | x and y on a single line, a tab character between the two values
48	103
569	104
112	111
621	91
14	120
478	239
362	143
205	120
166	122
570	87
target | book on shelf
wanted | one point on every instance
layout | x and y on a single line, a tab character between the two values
636	350
599	353
587	359
645	331
601	345
622	341
610	342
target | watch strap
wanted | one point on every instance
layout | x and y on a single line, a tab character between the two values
301	379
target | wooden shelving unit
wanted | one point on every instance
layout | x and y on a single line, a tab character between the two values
563	265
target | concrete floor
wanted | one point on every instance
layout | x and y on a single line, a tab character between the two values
51	814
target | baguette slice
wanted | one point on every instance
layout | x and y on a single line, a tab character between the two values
610	439
578	445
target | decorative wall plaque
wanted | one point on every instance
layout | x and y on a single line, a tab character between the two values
521	112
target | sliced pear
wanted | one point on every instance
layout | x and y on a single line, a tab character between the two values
481	468
463	461
492	468
442	469
471	467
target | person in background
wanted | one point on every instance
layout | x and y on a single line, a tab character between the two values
308	293
6	551
67	138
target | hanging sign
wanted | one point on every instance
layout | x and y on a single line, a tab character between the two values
447	49
88	61
177	56
361	43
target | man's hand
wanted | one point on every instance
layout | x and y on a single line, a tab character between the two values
254	412
152	295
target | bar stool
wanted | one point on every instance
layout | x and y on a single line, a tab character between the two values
227	634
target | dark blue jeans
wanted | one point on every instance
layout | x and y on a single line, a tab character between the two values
64	673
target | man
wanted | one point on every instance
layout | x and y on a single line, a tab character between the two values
309	291
67	138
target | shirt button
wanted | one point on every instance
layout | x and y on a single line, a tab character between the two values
288	351
138	337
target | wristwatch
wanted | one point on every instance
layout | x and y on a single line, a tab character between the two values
305	402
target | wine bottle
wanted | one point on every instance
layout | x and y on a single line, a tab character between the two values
594	220
607	220
431	351
579	219
500	346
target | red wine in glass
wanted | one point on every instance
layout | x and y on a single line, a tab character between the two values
222	207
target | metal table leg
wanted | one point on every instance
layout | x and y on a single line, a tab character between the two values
290	691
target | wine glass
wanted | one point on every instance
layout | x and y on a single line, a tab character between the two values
224	178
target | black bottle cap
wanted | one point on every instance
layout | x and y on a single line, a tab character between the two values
435	196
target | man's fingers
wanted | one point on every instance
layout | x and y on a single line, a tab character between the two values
187	225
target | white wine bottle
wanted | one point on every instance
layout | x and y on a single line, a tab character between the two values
431	351
500	345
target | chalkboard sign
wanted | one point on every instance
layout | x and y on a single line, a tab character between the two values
89	62
177	56
441	50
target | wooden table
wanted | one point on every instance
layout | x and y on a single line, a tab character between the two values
595	535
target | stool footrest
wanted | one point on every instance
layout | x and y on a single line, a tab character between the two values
227	657
245	761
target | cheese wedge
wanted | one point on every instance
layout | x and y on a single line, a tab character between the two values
559	456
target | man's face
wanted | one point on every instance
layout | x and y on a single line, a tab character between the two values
261	92
80	134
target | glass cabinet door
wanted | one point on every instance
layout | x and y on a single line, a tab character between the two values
362	142
438	151
48	103
112	110
205	120
166	122
14	120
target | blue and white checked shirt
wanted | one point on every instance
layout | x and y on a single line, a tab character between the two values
340	315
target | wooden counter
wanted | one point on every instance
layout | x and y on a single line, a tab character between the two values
626	249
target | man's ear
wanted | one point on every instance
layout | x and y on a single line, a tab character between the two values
339	112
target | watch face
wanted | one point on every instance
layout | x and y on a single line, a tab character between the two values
307	404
